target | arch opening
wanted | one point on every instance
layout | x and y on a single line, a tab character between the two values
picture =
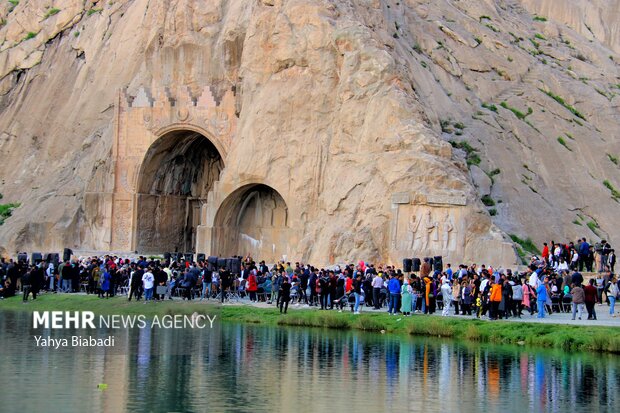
252	220
178	171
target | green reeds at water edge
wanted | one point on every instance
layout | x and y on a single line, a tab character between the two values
570	338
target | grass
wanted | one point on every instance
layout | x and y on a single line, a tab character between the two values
30	35
520	115
561	101
593	225
540	36
540	19
576	222
489	106
51	12
93	11
445	125
6	210
562	142
527	244
493	28
471	157
613	158
615	194
559	336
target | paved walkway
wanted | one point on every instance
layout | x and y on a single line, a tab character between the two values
602	313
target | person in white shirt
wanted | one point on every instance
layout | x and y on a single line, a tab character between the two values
534	280
377	283
446	292
148	282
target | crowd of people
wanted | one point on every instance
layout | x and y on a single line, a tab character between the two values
552	283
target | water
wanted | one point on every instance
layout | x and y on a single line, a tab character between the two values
243	368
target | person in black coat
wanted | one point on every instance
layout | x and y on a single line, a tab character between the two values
136	284
285	295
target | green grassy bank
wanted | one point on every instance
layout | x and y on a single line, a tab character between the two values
558	336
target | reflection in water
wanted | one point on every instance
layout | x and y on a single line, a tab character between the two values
249	368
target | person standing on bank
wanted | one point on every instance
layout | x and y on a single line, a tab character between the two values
405	301
578	299
394	290
612	295
446	293
285	294
377	283
541	298
136	284
590	299
148	281
105	284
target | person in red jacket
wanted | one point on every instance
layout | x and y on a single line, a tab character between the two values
252	286
545	252
590	299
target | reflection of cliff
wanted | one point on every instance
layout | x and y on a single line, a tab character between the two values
238	368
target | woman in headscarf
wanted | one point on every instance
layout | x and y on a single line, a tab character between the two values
405	300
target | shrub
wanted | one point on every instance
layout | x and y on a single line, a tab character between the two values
472	157
492	212
612	158
540	19
563	143
487	200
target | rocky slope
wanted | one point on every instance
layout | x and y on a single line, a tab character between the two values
526	91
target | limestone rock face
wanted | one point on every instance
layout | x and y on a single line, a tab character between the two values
342	130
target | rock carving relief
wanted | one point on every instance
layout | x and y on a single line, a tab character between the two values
429	230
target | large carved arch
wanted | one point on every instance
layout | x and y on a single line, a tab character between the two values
154	128
178	172
251	219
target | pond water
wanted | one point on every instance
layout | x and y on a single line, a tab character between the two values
245	368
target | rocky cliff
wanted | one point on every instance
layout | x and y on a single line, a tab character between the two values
514	103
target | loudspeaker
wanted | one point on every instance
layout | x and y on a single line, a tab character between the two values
177	256
66	254
36	257
407	265
189	257
416	264
200	258
53	257
235	265
167	256
212	263
438	263
22	257
221	263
